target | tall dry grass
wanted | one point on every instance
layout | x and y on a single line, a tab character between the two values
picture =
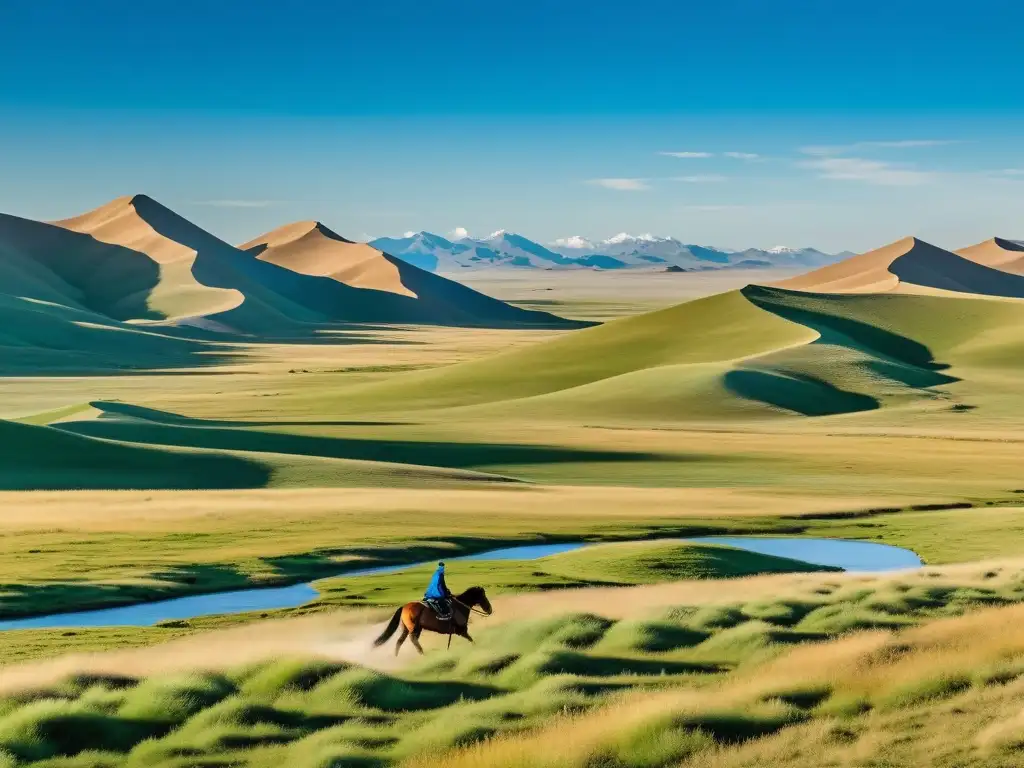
844	700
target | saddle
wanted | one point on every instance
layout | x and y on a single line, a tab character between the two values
442	608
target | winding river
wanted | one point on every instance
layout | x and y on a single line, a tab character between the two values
848	555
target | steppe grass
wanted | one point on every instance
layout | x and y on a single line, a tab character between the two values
585	690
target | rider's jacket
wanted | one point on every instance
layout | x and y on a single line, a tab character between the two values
437	590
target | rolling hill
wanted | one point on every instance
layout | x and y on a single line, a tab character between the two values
892	327
39	457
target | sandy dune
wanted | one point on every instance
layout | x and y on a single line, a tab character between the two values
176	292
999	253
908	265
358	283
311	248
866	273
119	223
136	260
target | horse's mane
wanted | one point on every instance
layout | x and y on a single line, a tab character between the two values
471	594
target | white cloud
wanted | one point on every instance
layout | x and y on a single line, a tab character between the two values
1012	172
573	241
742	155
686	155
625	237
410	233
459	233
867	171
842	149
708	178
237	203
621	185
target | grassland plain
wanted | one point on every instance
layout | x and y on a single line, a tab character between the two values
279	463
777	670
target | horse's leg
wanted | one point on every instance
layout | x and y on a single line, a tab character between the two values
415	638
462	630
410	619
401	639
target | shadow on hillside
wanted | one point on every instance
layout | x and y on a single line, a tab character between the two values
36	457
892	356
938	268
110	280
799	393
894	352
165	417
424	453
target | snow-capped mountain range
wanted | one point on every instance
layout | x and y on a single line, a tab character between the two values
622	251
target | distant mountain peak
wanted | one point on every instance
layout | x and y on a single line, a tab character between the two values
621	251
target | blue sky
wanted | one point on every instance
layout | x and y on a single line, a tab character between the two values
734	123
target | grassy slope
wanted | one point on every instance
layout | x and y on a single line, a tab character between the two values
711	682
717	328
915	329
39	338
37	457
745	354
128	423
34	457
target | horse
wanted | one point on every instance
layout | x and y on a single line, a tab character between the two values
415	617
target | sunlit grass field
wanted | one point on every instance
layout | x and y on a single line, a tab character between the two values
795	668
282	464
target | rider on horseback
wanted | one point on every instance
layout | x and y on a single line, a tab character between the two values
438	596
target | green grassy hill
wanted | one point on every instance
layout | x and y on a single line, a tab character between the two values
759	352
40	337
715	329
34	457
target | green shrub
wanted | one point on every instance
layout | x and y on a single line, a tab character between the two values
650	637
175	699
782	612
653	744
732	727
576	631
52	727
717	617
380	691
289	675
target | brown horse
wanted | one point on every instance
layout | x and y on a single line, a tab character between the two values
415	617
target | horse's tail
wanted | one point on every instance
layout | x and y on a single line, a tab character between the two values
387	633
